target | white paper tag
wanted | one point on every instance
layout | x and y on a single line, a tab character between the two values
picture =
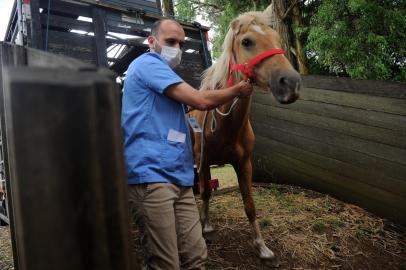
176	136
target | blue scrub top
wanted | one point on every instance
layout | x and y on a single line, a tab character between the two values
157	143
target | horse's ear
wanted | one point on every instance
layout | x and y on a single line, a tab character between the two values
270	15
235	26
269	9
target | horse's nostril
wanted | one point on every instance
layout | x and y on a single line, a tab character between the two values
282	81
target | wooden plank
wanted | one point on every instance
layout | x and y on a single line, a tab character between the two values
35	31
267	147
281	171
10	55
146	16
370	87
322	136
125	6
191	68
148	6
66	23
337	181
37	58
100	31
319	144
73	120
68	7
379	135
127	24
139	41
379	104
72	45
361	116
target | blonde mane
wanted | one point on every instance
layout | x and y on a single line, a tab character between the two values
216	76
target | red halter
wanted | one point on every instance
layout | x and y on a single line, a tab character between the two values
247	67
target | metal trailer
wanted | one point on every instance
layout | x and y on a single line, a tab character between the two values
107	33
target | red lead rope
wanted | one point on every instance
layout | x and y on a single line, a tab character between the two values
247	67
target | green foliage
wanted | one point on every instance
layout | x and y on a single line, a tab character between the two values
356	38
185	11
319	226
219	12
265	222
359	38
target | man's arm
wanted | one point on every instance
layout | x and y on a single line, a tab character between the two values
209	99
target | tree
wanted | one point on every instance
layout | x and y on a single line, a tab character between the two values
356	38
360	38
281	20
221	13
167	8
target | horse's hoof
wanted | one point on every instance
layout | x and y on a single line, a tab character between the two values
272	263
263	252
210	236
266	254
207	228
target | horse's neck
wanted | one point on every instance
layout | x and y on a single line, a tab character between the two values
237	117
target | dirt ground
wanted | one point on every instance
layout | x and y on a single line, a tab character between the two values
6	254
305	229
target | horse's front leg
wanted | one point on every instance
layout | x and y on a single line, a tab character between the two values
243	169
205	194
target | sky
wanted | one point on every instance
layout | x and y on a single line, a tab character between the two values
5	11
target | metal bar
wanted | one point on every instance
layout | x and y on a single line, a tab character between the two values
20	25
100	35
4	218
65	22
12	23
206	54
35	31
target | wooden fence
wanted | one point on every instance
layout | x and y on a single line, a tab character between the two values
343	137
64	164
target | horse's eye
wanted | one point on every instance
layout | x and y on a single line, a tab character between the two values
246	42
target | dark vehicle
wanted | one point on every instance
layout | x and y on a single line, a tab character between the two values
106	33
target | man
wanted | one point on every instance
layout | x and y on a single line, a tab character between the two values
158	151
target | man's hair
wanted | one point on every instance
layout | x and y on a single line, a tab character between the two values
157	26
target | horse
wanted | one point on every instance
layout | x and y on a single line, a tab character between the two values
227	135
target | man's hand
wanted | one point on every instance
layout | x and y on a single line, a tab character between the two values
244	89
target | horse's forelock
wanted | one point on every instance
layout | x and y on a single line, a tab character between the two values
216	76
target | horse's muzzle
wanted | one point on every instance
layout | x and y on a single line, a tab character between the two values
285	86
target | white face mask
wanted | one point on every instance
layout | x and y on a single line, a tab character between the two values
172	55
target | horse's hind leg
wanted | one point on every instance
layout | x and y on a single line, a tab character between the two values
205	193
244	173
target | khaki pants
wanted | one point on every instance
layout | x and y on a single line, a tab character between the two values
169	224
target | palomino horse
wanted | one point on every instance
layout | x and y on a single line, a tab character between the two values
227	135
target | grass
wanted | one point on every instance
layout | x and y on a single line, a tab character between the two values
226	176
305	229
265	222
